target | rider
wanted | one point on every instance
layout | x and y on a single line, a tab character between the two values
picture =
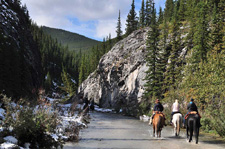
175	109
192	107
158	107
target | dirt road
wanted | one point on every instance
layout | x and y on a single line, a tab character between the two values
113	131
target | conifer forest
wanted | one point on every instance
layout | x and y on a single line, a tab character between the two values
185	55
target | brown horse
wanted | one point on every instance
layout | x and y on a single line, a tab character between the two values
158	123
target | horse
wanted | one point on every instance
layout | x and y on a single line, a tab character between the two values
177	122
158	123
192	126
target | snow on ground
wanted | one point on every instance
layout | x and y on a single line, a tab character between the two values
2	112
7	145
11	139
102	109
65	117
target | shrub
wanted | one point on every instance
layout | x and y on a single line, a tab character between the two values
31	125
144	108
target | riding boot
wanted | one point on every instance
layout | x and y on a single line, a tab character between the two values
150	121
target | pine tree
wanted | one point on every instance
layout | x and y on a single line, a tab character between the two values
169	8
201	35
160	19
172	70
82	70
142	15
148	12
217	33
182	10
131	20
152	84
69	86
118	29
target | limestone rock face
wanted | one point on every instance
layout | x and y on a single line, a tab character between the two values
119	81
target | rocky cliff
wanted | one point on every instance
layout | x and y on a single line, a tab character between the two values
119	81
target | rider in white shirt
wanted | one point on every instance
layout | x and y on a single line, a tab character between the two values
175	109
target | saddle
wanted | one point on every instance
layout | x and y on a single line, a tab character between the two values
161	113
192	112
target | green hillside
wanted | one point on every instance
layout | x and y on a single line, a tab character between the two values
74	41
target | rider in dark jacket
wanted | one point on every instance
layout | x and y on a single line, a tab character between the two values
192	106
158	107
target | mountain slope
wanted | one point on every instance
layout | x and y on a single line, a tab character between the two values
74	41
20	59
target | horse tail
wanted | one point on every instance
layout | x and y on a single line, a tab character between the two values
196	132
159	124
191	126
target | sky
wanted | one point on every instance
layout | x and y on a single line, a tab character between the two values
92	18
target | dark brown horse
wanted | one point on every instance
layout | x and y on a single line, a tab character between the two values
158	123
193	124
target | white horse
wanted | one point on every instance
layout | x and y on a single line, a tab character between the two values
177	122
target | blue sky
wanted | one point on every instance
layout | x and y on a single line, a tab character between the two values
92	18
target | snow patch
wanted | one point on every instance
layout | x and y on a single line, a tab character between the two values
2	113
102	109
55	137
7	145
11	139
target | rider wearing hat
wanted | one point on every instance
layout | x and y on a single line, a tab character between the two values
192	107
157	108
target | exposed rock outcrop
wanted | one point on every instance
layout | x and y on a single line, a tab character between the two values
119	81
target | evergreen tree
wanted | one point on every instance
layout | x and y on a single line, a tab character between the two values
68	85
118	29
218	31
142	15
169	8
201	35
182	10
132	22
172	69
82	70
148	12
152	85
160	19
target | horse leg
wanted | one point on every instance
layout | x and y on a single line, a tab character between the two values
178	126
187	132
196	134
175	130
178	129
157	131
191	132
153	130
